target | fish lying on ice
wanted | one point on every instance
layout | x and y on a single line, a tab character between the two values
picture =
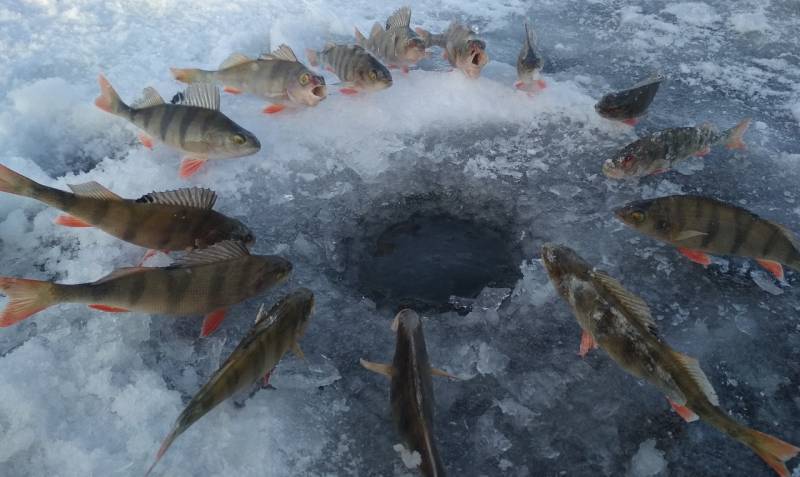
629	104
358	70
397	44
462	48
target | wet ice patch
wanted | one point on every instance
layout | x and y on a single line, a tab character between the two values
648	460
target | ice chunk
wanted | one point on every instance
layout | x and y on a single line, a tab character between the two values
648	460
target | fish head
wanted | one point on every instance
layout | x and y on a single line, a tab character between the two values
406	322
270	270
627	163
308	89
231	140
414	50
474	58
562	262
647	217
373	76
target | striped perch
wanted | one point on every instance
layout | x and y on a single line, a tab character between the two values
356	68
397	45
205	280
529	64
274	333
195	125
462	48
700	225
175	220
278	77
411	392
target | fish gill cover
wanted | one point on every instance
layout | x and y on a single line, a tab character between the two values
88	393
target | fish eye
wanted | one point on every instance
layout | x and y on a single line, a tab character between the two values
637	216
373	75
304	79
239	139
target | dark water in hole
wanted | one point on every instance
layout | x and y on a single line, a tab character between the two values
424	260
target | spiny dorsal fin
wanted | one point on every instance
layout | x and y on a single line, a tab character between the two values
150	97
219	252
195	197
233	60
635	306
401	18
121	272
201	95
94	190
376	31
282	53
692	366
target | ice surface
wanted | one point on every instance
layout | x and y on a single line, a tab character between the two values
86	393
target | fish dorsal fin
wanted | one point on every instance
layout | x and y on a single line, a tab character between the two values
233	60
194	197
150	97
121	272
94	190
401	18
282	53
201	95
377	30
692	366
219	252
636	307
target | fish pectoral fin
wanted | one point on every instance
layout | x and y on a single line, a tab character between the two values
212	322
232	90
442	373
687	414
687	234
696	256
703	152
109	309
587	343
190	165
348	91
273	109
298	351
631	121
146	140
775	268
69	221
380	368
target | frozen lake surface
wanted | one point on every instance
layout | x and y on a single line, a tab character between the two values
355	188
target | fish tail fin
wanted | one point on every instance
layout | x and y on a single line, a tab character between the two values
772	450
735	134
25	298
530	35
15	183
165	444
313	57
361	40
186	75
109	101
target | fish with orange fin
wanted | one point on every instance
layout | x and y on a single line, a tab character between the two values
620	323
629	104
176	220
278	76
661	151
700	225
206	280
195	125
529	65
357	69
397	44
412	391
274	333
462	48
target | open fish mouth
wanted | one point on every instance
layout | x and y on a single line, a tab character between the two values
319	91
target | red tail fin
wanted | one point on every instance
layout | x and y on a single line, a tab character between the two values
735	135
773	450
109	101
26	297
15	183
163	449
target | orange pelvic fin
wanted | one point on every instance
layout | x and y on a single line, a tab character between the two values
146	140
69	221
348	91
775	268
631	121
703	152
273	108
212	322
687	414
232	90
696	256
109	309
190	166
587	343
